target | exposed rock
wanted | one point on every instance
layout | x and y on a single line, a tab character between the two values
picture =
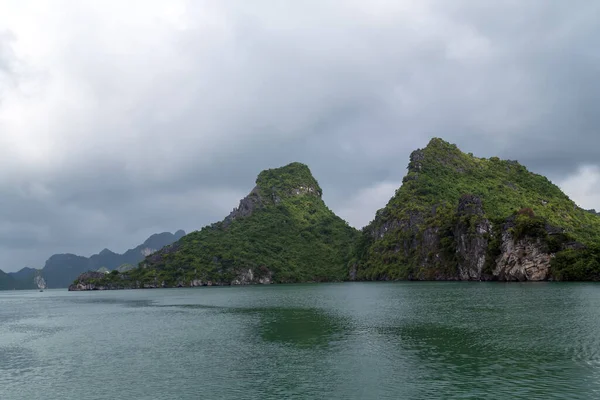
352	272
247	206
125	267
524	260
85	281
465	253
146	251
305	190
38	280
471	240
416	160
574	246
248	277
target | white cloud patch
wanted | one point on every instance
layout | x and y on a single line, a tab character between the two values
584	187
358	210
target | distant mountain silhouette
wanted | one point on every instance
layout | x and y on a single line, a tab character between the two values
61	269
23	274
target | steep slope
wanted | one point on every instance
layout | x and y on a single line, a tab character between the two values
26	277
281	232
457	216
61	269
7	282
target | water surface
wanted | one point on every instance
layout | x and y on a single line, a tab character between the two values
335	341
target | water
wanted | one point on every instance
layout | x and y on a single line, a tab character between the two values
327	341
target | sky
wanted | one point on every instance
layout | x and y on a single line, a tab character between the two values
119	119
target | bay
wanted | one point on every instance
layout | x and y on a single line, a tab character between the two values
404	340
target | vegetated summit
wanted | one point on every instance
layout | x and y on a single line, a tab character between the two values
281	232
455	217
459	217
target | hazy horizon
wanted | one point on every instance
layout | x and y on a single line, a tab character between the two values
123	119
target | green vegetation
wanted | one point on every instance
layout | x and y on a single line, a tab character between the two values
450	216
445	173
10	282
61	269
577	265
438	176
7	282
283	181
286	233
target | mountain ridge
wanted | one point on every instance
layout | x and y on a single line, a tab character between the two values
455	217
60	270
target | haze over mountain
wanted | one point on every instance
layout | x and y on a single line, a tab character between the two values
7	282
24	273
210	92
61	269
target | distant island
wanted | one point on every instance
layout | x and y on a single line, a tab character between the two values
455	217
61	269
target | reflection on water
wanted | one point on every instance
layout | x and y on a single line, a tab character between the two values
354	341
298	327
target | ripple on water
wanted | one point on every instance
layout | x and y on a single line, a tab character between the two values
355	341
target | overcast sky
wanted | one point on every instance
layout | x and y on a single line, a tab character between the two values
119	119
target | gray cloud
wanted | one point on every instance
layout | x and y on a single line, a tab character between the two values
121	120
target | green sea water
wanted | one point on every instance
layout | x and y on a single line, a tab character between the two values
323	341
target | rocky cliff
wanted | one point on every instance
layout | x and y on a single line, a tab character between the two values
455	217
90	280
458	217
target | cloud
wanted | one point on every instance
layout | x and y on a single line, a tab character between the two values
584	186
358	210
118	119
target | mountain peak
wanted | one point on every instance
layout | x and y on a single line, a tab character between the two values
440	154
281	231
106	252
273	186
440	143
289	180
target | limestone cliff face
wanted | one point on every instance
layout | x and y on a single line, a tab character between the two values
38	280
522	260
86	281
471	242
253	201
97	281
260	276
464	249
460	217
